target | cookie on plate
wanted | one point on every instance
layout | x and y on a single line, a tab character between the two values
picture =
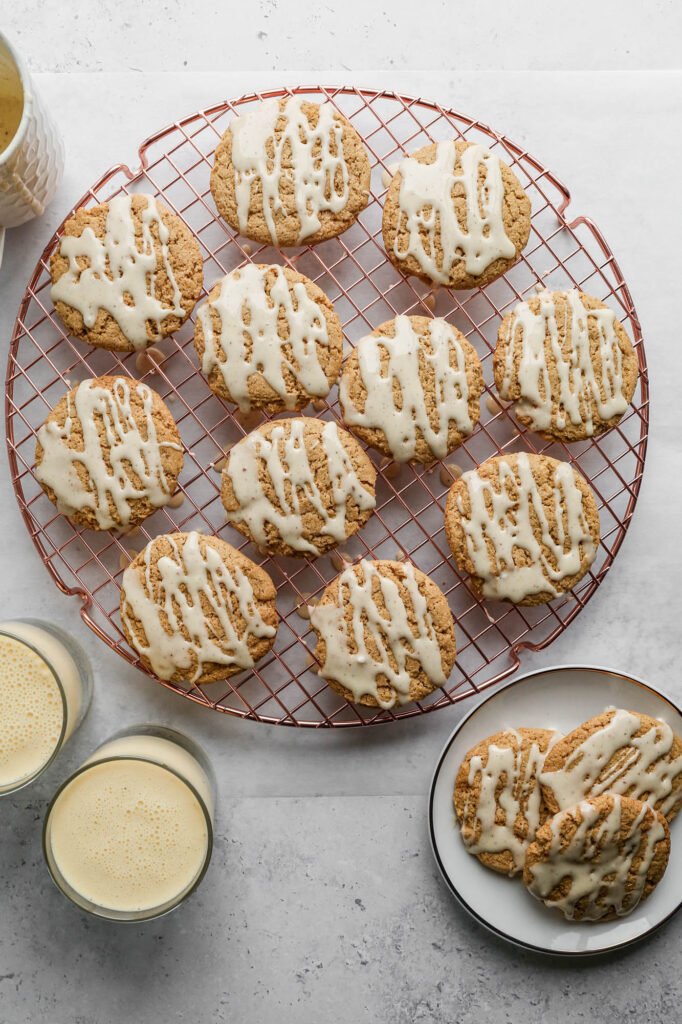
618	751
197	610
599	859
455	215
412	388
268	338
566	363
504	529
126	273
290	172
385	634
109	453
497	796
298	486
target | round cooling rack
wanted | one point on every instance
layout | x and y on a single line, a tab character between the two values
284	688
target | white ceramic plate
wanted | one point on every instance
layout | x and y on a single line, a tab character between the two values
554	698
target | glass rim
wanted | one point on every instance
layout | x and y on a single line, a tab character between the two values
107	913
28	779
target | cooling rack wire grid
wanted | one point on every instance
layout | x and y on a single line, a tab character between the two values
353	270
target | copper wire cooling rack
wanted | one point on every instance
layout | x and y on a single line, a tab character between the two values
366	290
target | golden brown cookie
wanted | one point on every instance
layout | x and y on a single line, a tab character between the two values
497	796
455	215
412	388
597	860
126	273
196	610
290	173
502	526
298	486
565	362
268	338
109	454
385	634
620	752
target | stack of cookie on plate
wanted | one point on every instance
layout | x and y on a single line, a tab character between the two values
522	527
583	818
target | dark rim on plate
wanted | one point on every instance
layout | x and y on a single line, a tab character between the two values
578	953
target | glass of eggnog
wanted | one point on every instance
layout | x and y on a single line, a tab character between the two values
45	690
129	836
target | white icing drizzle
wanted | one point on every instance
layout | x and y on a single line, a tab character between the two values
287	466
402	425
510	786
348	659
316	162
643	770
130	452
117	269
598	867
536	337
182	583
243	291
427	205
497	520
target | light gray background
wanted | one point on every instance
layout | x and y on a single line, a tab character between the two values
322	902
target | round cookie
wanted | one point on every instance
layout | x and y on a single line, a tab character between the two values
412	388
268	338
109	454
597	860
126	273
290	173
298	486
503	530
565	361
620	752
385	634
196	610
455	215
497	796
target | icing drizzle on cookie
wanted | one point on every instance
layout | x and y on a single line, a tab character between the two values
282	459
244	349
403	424
427	207
120	267
505	814
174	594
598	860
536	342
374	646
614	759
498	524
315	163
123	463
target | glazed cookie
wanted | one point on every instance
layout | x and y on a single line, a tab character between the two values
620	752
497	797
565	361
298	486
502	526
412	389
455	215
268	338
385	634
109	453
599	859
196	610
290	173
126	273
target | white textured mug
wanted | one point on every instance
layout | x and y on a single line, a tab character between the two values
32	163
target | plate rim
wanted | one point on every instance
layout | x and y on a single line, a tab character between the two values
499	932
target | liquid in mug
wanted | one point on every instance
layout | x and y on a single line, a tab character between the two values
11	101
127	834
